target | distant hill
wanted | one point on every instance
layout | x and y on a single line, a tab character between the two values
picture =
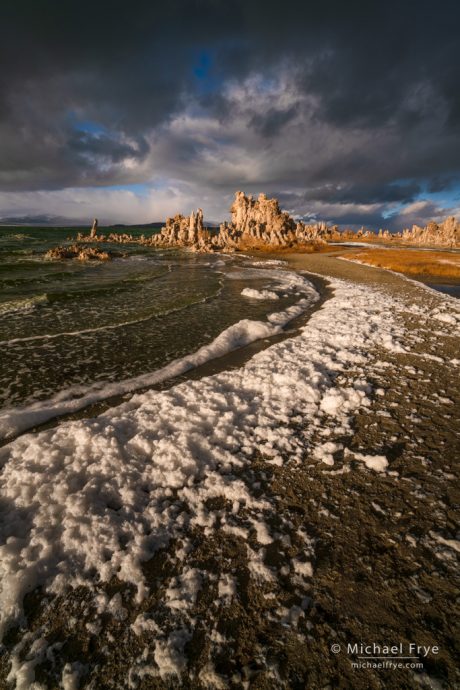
158	224
61	222
46	220
154	224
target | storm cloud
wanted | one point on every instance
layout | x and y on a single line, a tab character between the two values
347	111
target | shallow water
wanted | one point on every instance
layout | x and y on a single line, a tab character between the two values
67	326
452	290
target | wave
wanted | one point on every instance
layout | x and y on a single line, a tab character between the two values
17	237
43	277
79	292
113	326
22	305
14	421
84	331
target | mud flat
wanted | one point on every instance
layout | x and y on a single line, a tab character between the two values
241	530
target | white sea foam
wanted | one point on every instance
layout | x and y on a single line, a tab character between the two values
285	279
357	244
15	420
259	294
378	463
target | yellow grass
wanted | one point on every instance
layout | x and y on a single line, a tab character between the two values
413	262
307	248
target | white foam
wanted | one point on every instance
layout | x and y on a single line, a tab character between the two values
13	421
302	568
269	262
453	319
259	294
324	452
378	463
169	655
356	244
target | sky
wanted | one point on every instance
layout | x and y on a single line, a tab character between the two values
347	112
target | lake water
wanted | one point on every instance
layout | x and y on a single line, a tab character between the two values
68	327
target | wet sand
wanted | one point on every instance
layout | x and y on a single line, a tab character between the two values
382	572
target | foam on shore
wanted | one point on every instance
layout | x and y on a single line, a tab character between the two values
259	294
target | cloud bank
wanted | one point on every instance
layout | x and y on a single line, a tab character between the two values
349	112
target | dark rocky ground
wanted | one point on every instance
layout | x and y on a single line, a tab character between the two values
380	572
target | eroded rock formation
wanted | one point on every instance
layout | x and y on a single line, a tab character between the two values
445	234
78	252
260	223
256	222
183	231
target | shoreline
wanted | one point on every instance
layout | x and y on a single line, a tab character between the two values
179	370
269	502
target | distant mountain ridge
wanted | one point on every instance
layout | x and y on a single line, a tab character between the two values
49	221
61	221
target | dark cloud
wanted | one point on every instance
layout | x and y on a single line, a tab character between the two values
272	122
369	114
372	216
364	193
441	184
104	147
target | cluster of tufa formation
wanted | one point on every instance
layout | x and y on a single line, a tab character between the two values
79	252
446	234
183	231
254	223
260	221
113	237
261	224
